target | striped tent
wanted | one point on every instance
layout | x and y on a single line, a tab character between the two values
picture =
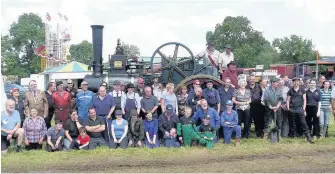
70	67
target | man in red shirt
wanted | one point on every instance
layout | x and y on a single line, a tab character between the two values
61	100
232	73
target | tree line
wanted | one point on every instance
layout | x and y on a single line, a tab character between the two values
250	48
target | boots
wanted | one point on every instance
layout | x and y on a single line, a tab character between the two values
309	138
266	135
238	142
325	133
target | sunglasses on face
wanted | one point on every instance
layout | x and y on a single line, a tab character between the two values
69	83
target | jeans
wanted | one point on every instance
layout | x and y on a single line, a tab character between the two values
151	146
123	144
244	117
67	142
227	131
324	120
94	142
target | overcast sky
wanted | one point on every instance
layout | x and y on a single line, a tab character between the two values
150	23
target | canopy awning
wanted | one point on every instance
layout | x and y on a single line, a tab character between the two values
70	67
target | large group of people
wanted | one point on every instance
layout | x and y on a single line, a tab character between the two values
153	116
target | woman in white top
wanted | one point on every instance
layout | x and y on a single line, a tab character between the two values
130	100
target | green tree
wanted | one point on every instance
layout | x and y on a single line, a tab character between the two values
18	56
130	50
295	49
82	52
249	46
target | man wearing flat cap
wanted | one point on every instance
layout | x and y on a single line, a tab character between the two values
210	57
61	100
167	121
273	99
225	58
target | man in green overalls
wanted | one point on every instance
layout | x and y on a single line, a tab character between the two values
186	129
207	133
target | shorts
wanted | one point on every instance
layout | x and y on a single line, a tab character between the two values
5	143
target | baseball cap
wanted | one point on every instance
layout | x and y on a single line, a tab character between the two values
229	102
118	112
14	89
169	107
207	117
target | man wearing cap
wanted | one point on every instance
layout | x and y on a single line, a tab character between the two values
61	100
84	101
48	93
167	121
136	130
104	105
229	122
207	133
225	58
210	59
149	103
35	98
130	100
256	108
116	94
55	137
232	72
212	96
205	110
73	92
95	128
273	99
296	104
19	103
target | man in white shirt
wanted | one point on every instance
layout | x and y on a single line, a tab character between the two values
225	58
210	58
116	94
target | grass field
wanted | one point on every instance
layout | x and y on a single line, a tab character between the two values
254	155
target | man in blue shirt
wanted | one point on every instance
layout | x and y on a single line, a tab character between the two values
204	111
212	96
226	93
104	105
84	101
10	127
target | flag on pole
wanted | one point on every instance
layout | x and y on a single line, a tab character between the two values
48	17
65	17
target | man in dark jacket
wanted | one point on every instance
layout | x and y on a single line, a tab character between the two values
167	121
136	130
48	94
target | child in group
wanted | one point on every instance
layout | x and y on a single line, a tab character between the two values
207	133
82	142
186	129
171	140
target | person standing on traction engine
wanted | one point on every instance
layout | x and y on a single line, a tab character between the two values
210	58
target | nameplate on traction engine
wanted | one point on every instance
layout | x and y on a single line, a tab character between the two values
118	64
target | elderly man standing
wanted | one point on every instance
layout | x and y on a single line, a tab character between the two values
84	101
212	96
105	106
140	87
35	98
10	127
95	127
273	99
149	103
73	92
256	107
61	100
225	58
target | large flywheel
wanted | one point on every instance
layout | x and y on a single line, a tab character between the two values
172	69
